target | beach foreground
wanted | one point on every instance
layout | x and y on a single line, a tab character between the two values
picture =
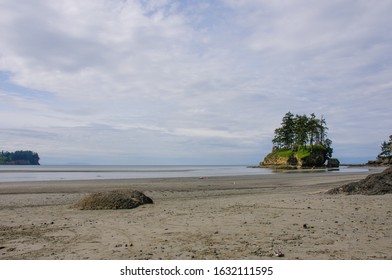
280	216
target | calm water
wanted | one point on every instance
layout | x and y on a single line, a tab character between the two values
14	173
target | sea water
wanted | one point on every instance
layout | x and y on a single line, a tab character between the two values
20	173
17	173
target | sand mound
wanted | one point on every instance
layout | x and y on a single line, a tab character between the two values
115	199
374	184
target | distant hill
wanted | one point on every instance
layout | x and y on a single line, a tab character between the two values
19	158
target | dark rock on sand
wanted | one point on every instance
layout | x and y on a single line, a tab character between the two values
115	199
374	184
333	162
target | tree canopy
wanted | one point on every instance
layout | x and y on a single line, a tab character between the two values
19	157
386	148
302	131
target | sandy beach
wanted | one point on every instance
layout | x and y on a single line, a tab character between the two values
279	216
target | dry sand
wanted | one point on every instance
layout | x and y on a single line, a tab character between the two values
243	217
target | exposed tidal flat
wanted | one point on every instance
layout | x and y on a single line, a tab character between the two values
199	217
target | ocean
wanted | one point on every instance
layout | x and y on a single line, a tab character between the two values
20	173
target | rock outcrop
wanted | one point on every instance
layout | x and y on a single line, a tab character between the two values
306	158
333	162
115	199
374	184
270	161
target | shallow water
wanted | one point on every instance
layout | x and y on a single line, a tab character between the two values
19	173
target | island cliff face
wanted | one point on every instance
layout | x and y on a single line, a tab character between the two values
307	157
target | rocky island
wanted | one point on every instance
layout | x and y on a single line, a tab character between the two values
301	142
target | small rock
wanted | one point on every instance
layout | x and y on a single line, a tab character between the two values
278	253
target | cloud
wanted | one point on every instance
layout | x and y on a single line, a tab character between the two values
187	81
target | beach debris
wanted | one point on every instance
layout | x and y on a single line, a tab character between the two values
373	184
278	253
306	226
114	199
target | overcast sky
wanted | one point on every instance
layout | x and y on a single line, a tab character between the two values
191	82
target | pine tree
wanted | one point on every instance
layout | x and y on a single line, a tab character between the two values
287	131
322	127
386	148
300	130
312	125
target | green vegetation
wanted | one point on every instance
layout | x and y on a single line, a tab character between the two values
386	148
301	131
300	141
19	158
300	153
282	153
304	155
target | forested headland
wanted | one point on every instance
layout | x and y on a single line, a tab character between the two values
19	158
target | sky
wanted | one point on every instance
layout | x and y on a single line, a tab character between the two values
191	82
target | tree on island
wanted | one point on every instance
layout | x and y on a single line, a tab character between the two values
301	130
386	148
385	156
302	140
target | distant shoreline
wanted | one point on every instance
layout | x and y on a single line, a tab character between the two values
60	173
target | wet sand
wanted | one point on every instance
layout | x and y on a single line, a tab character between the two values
280	216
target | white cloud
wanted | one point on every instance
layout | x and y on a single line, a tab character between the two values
175	80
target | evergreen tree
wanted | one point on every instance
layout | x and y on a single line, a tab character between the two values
288	130
328	143
322	128
284	136
386	147
278	139
301	130
313	131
